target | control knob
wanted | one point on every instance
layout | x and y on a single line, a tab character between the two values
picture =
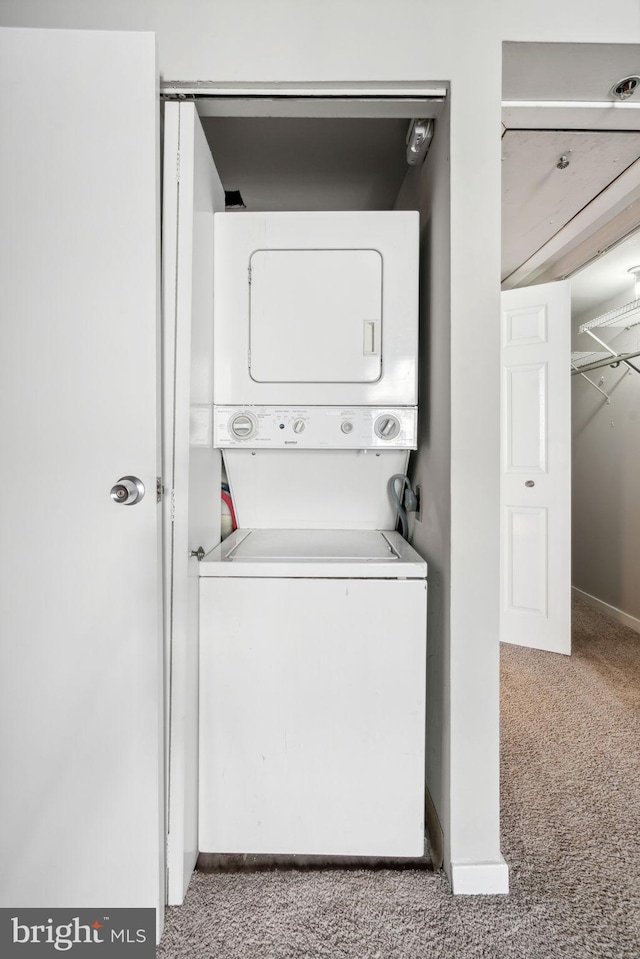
243	426
298	426
387	426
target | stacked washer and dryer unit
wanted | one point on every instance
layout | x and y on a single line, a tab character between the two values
313	612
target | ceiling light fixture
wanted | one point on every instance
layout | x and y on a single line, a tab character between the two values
419	137
635	271
625	88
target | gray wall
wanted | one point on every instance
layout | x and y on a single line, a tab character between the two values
428	189
606	474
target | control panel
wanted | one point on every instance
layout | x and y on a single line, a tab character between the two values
317	427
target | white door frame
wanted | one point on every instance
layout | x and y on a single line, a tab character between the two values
380	101
192	194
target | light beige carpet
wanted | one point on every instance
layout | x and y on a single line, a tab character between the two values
570	826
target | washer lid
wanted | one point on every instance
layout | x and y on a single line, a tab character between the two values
317	552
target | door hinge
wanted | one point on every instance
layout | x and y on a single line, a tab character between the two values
173	505
159	489
249	270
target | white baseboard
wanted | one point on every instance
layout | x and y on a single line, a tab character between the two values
625	618
473	878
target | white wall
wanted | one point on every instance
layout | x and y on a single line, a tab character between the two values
421	40
606	472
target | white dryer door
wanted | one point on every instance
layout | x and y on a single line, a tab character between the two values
315	316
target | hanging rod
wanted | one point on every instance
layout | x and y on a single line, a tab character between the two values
613	360
577	369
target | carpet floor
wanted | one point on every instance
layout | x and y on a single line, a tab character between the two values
570	833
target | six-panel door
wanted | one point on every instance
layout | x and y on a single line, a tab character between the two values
536	467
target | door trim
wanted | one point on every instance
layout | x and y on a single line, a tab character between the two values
382	100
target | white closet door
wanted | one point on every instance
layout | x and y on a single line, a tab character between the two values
536	467
81	790
192	193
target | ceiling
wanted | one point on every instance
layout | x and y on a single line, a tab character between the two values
557	101
539	198
565	71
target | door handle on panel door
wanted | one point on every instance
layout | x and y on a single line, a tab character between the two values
369	338
128	491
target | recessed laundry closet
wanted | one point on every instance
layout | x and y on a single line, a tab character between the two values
296	393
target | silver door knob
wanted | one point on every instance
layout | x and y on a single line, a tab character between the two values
128	491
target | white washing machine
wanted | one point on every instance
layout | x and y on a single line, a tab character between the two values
312	695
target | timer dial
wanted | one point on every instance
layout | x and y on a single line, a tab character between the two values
243	426
387	426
